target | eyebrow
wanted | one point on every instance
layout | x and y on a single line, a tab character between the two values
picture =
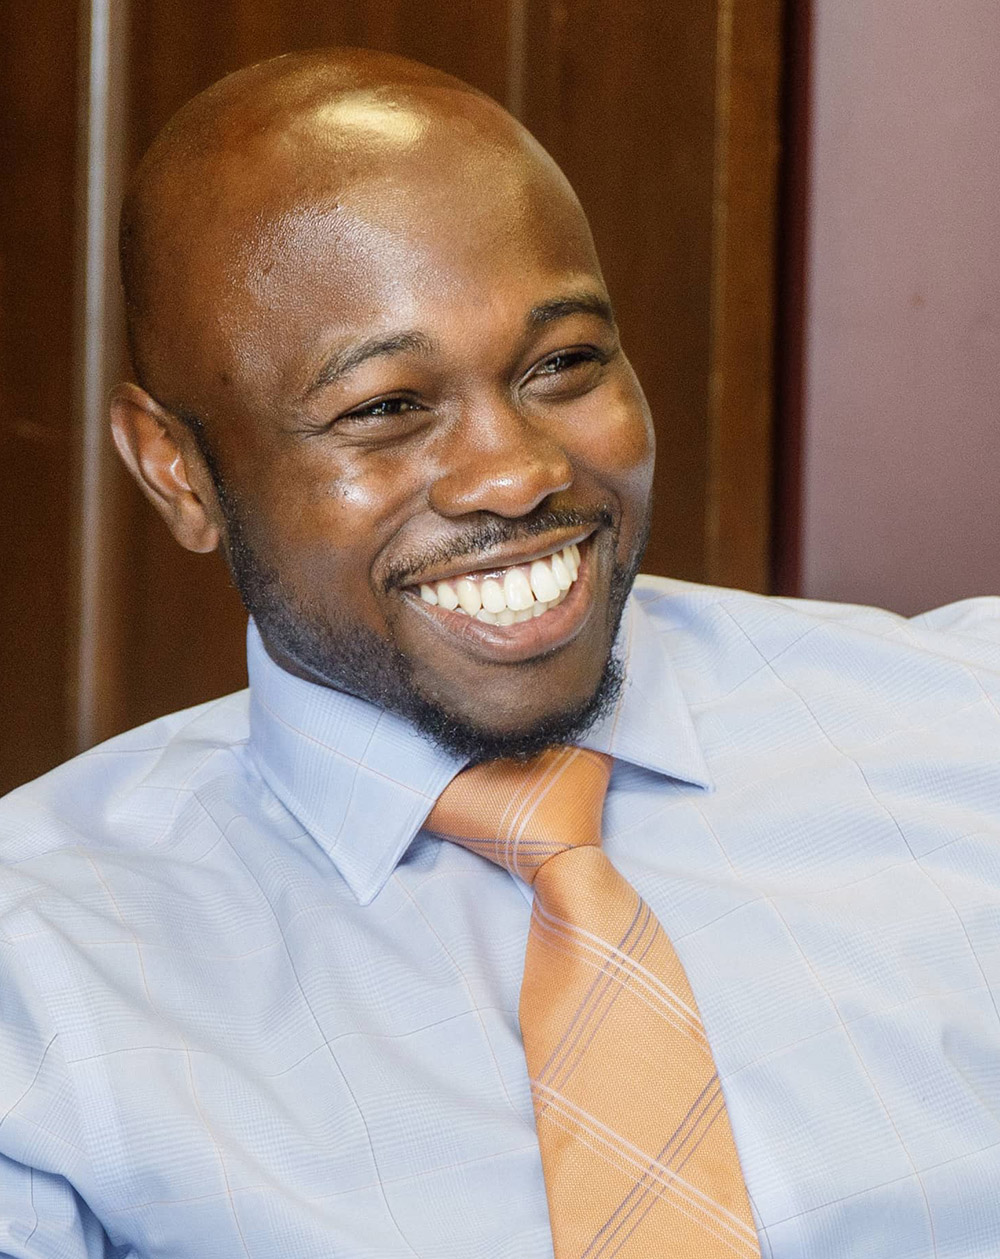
572	304
348	360
374	347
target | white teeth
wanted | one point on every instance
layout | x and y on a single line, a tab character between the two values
560	571
543	583
517	590
446	596
523	592
468	596
492	595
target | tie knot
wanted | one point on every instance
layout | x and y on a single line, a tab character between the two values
519	814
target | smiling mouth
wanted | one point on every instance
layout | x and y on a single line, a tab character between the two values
521	592
535	627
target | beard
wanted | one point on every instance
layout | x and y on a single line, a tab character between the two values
340	654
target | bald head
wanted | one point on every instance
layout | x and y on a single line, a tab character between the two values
253	163
376	351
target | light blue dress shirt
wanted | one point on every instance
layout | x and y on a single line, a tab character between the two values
250	1010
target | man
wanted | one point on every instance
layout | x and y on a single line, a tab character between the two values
252	1005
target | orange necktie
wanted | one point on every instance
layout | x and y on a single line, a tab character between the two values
636	1148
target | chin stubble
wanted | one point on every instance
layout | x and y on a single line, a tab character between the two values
354	659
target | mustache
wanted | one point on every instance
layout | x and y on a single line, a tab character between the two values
489	533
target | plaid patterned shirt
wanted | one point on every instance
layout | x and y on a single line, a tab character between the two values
248	1008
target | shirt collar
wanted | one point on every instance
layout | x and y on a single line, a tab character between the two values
361	780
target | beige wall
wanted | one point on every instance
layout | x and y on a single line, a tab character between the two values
901	441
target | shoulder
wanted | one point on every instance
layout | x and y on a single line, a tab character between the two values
132	786
719	637
970	624
669	601
726	617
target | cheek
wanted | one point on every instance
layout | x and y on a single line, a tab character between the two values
334	497
334	516
619	444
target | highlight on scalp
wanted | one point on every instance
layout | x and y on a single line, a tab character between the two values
217	122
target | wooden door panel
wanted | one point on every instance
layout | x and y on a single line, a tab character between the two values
37	151
664	117
186	45
624	97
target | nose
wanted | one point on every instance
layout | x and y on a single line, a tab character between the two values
501	462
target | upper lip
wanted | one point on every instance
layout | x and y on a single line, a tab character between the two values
501	557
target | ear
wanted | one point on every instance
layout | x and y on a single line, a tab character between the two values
162	454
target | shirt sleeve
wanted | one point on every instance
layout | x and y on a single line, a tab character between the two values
971	618
42	1216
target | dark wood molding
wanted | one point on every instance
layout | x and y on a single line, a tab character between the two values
743	294
790	342
97	701
37	147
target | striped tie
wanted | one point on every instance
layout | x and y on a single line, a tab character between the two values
636	1147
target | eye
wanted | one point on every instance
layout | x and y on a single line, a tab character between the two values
383	408
567	374
566	360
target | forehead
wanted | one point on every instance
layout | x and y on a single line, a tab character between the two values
395	245
438	210
364	214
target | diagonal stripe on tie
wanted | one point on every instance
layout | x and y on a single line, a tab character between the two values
636	1146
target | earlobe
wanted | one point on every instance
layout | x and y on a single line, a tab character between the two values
160	452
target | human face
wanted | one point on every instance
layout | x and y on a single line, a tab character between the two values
425	400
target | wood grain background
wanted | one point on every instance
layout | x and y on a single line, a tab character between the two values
666	120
